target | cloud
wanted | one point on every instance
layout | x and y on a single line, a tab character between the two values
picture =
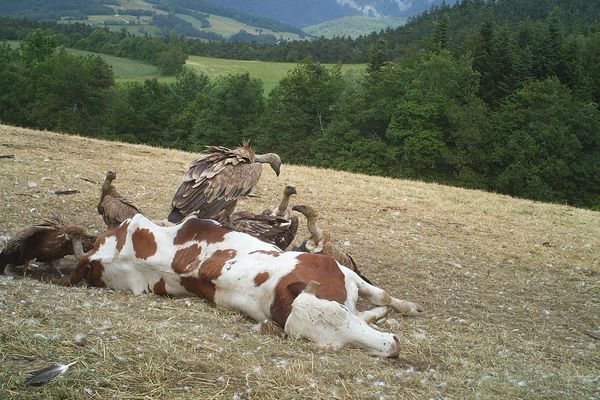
350	3
404	5
368	10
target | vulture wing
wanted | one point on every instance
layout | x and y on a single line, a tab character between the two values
28	241
342	257
117	209
214	181
267	228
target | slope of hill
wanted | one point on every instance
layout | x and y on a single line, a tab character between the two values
352	26
155	17
510	289
310	12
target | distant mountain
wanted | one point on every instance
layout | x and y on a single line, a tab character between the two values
302	13
205	19
353	26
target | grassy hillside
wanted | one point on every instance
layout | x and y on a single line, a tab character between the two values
126	69
222	25
228	26
269	72
352	26
510	288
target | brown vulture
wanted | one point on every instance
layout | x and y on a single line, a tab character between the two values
214	182
320	241
47	241
271	226
114	207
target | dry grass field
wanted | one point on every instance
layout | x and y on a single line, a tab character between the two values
511	290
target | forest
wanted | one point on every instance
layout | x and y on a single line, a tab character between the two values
510	108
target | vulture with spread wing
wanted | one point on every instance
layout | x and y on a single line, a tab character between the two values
47	241
271	226
320	241
114	207
214	182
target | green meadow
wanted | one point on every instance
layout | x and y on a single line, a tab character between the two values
126	69
269	72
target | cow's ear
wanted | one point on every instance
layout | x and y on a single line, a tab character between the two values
296	288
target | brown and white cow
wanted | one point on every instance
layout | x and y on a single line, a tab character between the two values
309	295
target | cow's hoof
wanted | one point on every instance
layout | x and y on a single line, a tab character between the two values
415	310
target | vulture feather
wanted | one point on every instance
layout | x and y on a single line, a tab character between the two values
320	241
268	228
272	226
47	241
114	207
44	375
214	182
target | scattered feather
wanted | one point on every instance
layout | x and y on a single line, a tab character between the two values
46	374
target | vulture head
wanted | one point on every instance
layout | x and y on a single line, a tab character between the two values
289	190
270	158
110	176
308	211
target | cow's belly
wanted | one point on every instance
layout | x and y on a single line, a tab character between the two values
140	278
240	287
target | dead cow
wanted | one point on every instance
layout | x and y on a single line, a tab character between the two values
309	295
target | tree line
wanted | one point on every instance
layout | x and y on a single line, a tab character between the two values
516	114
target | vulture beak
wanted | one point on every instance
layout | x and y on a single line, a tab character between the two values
277	166
298	208
290	190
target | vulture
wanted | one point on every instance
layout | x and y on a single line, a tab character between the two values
114	207
214	182
282	210
271	226
47	241
320	241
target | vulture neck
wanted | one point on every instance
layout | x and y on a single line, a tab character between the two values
285	202
316	234
106	186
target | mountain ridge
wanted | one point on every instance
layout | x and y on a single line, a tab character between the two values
312	12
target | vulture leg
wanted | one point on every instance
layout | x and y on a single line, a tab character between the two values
224	215
54	264
9	270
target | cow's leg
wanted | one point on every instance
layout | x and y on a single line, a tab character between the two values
330	324
373	314
380	297
80	273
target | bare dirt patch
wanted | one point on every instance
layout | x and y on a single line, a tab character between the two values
511	289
